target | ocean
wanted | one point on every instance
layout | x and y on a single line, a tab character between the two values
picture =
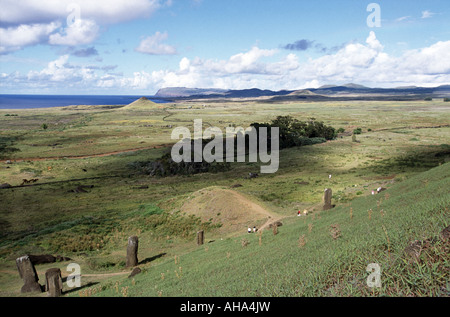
49	101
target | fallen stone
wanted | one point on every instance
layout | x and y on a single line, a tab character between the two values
47	258
135	272
276	224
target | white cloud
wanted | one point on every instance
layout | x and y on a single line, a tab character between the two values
56	71
102	11
154	45
373	42
404	18
31	22
366	64
427	14
15	38
361	63
79	33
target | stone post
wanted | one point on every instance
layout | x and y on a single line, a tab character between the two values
200	237
327	199
132	251
53	282
28	274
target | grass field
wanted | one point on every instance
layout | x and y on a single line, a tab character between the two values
404	147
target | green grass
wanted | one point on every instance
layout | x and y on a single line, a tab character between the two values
92	228
416	209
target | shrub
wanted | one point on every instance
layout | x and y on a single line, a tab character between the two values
357	131
294	132
165	166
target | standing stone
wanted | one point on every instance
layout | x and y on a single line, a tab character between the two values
28	274
327	199
53	282
200	237
132	251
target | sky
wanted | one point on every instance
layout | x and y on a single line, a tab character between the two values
132	47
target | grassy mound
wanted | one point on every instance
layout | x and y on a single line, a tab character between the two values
233	211
141	104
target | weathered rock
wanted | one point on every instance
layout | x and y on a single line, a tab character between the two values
328	194
28	274
53	282
46	258
132	251
276	224
415	248
200	237
135	272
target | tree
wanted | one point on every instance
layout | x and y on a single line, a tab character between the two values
357	131
297	133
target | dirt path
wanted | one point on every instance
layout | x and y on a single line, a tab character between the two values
12	272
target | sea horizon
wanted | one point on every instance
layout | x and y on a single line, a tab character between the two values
31	101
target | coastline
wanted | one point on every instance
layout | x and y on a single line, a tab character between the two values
18	102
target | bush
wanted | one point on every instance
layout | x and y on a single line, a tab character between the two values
294	132
357	131
165	166
446	99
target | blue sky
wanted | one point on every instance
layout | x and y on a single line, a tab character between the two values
139	46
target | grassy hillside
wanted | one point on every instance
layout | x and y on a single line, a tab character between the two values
304	259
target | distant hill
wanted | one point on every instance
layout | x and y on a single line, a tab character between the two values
349	91
350	85
177	92
302	92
